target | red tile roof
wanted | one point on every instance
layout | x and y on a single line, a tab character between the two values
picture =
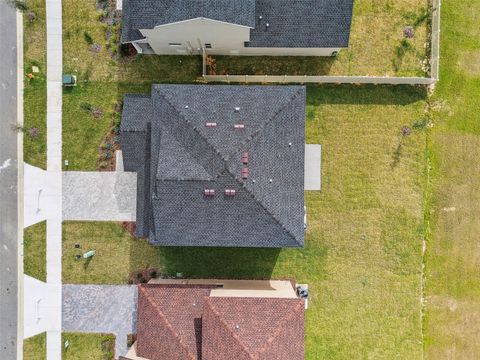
253	328
169	321
184	322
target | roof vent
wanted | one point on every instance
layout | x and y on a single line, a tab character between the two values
289	144
209	192
260	17
239	126
270	181
267	25
186	106
237	109
211	124
237	326
244	172
230	192
245	157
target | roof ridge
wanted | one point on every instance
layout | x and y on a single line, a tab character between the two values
167	322
269	342
274	115
262	205
229	331
194	128
248	140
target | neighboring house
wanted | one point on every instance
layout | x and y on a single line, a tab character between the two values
241	320
217	165
233	27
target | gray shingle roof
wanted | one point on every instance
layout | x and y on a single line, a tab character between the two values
182	157
146	14
292	23
302	23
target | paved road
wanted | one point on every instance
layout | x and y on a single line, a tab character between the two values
8	183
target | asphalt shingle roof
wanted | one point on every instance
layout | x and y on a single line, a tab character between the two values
180	157
292	23
302	23
179	322
146	14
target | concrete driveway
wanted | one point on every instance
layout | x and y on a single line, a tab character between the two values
101	309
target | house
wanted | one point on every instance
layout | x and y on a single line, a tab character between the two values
233	27
217	165
214	320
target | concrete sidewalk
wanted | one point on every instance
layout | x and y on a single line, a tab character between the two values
54	168
42	308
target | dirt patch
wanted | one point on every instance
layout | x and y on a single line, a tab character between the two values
470	62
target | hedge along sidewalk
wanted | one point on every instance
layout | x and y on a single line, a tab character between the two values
391	80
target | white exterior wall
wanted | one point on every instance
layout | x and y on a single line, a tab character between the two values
226	39
254	51
193	34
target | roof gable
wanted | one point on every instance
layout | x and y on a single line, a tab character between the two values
146	14
169	321
247	328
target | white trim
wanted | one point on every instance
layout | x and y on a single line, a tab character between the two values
20	282
197	18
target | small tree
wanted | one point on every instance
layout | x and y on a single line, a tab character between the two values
20	5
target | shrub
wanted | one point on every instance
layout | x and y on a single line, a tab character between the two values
88	38
408	32
86	106
33	132
31	16
97	112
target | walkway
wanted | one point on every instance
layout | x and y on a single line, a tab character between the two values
101	309
54	168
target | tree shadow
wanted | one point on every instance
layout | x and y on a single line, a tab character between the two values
327	94
271	65
219	262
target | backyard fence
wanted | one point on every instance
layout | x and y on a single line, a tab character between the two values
434	47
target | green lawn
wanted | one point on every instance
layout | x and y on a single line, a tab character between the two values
362	258
376	46
35	91
88	346
103	79
453	282
35	251
35	347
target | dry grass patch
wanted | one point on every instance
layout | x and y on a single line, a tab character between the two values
377	46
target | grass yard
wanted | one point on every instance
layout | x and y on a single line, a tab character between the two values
377	46
90	110
88	346
35	347
35	251
362	258
453	282
35	91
